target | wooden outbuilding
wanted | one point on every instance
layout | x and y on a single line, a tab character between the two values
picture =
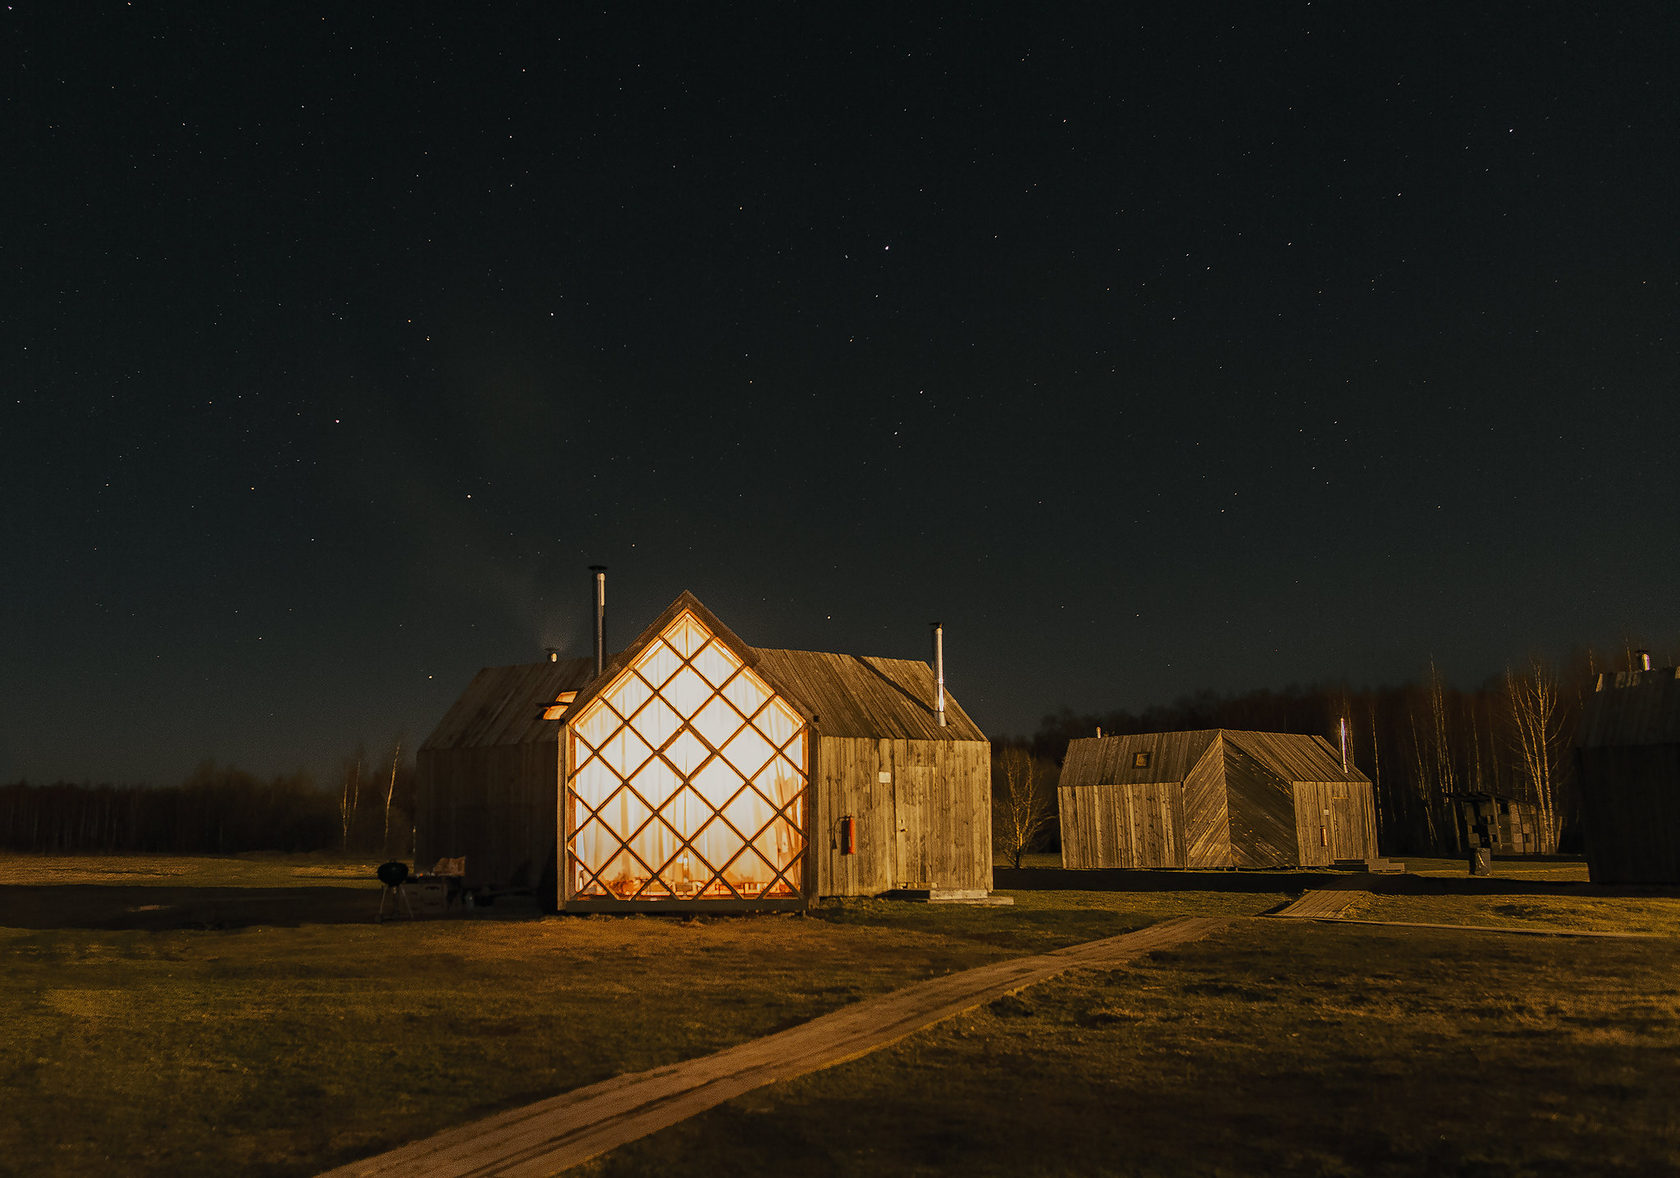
696	770
1214	798
1629	762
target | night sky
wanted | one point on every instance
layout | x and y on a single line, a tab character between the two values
1224	347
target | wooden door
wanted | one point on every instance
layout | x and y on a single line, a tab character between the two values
912	793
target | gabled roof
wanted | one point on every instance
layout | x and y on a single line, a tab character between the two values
1112	760
857	695
505	705
841	694
1293	756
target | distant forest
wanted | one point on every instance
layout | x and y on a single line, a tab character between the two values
221	810
1420	744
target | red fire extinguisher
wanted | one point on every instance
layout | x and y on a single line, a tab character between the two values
848	845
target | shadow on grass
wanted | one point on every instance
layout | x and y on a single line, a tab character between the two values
1053	879
105	906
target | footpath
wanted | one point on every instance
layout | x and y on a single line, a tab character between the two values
544	1138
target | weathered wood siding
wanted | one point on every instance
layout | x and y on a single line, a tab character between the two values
495	806
921	810
1334	820
487	778
1262	806
1207	814
1134	824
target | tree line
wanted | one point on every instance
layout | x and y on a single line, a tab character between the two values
219	809
1422	744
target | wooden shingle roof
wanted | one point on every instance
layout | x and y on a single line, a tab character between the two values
504	705
1112	760
844	695
858	695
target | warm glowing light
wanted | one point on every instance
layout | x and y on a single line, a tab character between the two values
558	708
688	779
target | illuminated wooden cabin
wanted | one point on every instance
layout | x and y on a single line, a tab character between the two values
698	770
1629	762
1215	798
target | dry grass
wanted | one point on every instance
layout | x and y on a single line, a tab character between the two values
1276	1049
222	871
279	1050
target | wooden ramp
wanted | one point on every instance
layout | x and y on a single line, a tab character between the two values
551	1135
1326	901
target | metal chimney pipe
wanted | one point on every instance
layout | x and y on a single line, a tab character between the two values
600	571
1644	659
939	672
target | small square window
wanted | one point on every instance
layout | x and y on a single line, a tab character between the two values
1140	760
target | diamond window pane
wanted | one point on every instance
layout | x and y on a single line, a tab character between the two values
748	751
749	874
686	753
593	844
623	875
624	812
747	692
718	843
779	722
795	751
657	782
685	811
686	634
626	752
716	663
717	722
592	783
657	663
686	692
779	781
656	722
717	783
596	724
749	813
630	694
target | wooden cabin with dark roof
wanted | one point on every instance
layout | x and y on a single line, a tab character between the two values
696	771
1629	763
1214	798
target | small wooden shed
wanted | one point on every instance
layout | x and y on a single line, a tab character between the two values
696	770
1629	762
1213	798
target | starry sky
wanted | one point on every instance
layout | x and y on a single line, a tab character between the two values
1203	346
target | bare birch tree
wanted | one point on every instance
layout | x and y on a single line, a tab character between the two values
390	791
347	800
1537	723
1022	802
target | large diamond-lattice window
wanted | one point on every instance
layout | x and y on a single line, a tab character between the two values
688	779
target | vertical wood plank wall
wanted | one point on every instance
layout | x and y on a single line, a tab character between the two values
494	805
928	822
1334	820
1136	824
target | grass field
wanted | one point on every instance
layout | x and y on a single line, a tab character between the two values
1279	1048
152	1031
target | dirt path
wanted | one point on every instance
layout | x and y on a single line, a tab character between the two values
551	1135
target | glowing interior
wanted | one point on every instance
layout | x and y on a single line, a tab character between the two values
688	779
